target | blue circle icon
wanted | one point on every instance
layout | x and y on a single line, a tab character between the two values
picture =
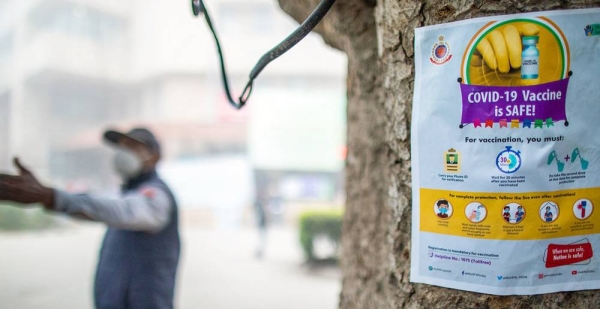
508	161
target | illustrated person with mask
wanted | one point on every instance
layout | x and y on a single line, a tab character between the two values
548	216
443	209
140	252
520	214
506	213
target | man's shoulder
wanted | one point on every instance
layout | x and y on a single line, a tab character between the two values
156	182
155	187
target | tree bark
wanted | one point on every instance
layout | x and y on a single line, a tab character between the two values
378	38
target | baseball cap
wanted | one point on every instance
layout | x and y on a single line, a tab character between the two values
140	135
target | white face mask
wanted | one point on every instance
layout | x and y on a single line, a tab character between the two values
127	164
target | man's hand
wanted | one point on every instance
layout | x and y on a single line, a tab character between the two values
25	188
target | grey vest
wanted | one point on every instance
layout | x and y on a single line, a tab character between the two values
137	270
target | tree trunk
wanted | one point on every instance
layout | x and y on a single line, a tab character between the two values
378	38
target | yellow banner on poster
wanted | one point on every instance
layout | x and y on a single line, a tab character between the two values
511	216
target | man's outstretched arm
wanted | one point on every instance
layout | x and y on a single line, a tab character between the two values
25	188
147	210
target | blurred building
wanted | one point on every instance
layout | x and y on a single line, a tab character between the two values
71	68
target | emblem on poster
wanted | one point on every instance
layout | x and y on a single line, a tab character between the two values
440	53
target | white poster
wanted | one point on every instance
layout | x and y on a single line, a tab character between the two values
506	153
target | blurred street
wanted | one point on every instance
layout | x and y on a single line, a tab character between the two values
55	269
73	69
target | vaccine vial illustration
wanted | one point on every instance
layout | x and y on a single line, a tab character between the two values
530	58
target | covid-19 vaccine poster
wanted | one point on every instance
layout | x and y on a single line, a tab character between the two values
506	153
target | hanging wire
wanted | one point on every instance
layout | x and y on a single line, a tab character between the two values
302	31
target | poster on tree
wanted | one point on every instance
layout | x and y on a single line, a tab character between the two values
506	154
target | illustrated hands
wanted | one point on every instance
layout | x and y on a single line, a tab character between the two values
588	30
25	188
501	49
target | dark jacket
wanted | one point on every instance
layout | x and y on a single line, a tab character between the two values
136	270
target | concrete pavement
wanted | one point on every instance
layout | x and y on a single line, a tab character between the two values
55	269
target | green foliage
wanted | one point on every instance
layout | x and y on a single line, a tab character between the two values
316	223
15	218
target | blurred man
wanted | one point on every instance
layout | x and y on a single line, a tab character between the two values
140	252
